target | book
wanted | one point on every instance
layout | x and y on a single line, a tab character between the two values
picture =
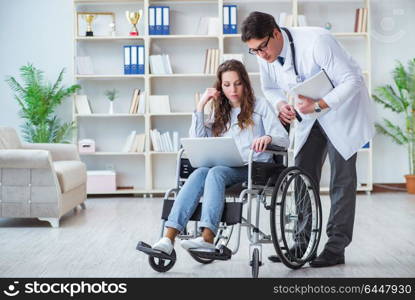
167	64
84	65
140	143
142	103
202	26
356	21
207	61
160	64
152	64
159	141
137	102
364	20
134	144
156	65
153	140
129	142
134	100
176	145
289	20
82	105
212	62
162	142
213	26
169	142
281	19
359	26
159	104
302	21
236	56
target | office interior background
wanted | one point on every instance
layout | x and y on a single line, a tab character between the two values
99	240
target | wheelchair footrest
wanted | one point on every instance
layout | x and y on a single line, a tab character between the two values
146	248
223	253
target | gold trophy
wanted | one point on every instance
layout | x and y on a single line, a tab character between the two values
134	17
89	19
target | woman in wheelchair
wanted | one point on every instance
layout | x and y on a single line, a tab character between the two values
252	123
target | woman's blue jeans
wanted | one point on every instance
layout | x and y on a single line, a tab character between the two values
211	183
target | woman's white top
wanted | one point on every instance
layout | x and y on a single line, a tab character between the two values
265	123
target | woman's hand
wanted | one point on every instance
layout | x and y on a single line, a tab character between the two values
261	143
209	94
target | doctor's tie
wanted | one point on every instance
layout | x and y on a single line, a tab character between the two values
281	60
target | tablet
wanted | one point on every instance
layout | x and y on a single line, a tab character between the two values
315	87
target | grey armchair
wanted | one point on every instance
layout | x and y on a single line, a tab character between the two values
42	181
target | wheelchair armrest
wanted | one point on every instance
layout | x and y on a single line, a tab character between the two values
275	148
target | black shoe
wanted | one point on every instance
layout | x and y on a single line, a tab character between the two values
276	258
327	259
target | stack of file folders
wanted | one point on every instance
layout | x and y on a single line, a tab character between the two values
159	20
230	18
134	59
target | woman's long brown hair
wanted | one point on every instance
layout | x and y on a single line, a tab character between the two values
222	107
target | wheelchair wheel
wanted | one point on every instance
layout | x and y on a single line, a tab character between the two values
162	265
223	236
295	217
255	263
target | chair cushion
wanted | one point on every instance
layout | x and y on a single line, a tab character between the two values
9	138
71	174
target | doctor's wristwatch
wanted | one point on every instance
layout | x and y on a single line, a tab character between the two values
317	107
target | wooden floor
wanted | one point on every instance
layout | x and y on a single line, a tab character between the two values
100	242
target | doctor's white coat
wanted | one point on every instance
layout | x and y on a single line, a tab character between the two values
348	122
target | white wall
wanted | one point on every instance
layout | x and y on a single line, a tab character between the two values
41	32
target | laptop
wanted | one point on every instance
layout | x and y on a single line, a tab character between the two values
212	151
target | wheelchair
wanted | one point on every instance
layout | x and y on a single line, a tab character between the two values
289	193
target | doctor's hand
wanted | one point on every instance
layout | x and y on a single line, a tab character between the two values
286	113
261	143
306	105
209	94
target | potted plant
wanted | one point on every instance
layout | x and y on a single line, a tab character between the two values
111	95
400	98
38	100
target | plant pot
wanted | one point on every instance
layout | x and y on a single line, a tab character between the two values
410	183
111	110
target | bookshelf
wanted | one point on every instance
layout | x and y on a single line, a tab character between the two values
152	172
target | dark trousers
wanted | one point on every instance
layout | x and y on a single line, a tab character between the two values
343	181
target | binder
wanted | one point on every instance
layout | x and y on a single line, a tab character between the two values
233	19
151	20
134	59
159	20
140	59
166	20
127	60
226	21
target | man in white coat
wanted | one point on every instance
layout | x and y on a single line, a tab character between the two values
338	124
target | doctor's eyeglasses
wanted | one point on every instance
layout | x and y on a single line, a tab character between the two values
261	48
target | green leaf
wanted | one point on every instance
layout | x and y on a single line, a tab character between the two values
38	100
400	77
382	130
388	97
